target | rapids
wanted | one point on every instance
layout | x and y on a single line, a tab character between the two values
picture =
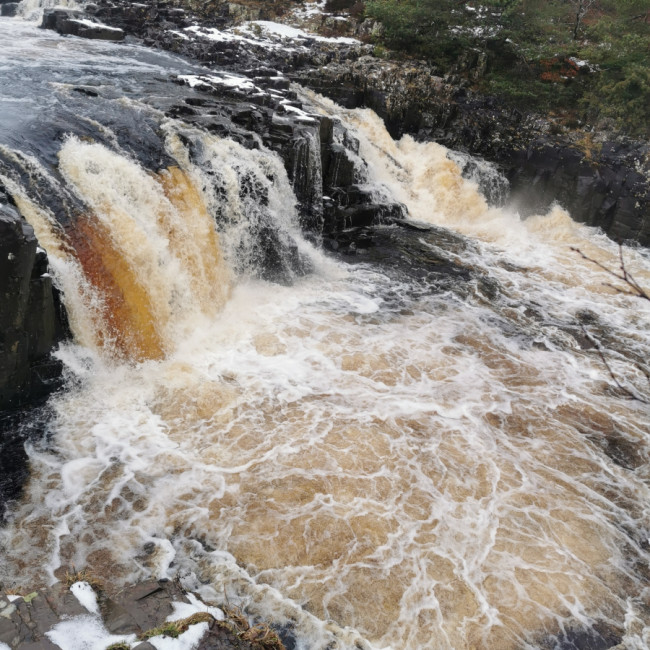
362	457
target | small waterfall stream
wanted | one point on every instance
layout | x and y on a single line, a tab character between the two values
353	450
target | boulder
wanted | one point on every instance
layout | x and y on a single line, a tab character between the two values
9	9
87	29
73	23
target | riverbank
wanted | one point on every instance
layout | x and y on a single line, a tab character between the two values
80	612
601	177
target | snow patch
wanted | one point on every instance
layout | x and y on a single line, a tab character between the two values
293	33
85	594
89	23
187	641
225	80
183	610
85	633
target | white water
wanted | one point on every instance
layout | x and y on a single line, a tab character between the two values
33	9
371	464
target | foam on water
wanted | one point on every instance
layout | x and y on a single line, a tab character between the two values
33	9
368	465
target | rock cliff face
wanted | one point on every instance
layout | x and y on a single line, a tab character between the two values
602	180
30	323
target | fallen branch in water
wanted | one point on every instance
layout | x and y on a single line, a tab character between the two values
635	289
631	394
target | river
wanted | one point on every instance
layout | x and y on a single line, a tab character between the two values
366	456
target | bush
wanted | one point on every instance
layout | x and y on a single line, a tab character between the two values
530	45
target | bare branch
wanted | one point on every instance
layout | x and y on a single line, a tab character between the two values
625	276
631	394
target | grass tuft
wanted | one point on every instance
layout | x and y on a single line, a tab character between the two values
83	576
174	629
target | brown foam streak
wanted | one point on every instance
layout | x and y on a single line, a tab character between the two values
127	307
201	254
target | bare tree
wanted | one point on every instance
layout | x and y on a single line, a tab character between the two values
581	9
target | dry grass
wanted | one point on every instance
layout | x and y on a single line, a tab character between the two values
261	635
175	628
83	576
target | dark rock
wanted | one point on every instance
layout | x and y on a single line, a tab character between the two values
42	644
62	602
117	619
54	18
9	9
28	319
148	603
85	29
72	22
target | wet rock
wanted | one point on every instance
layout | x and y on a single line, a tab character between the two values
602	636
421	254
73	23
32	322
25	622
9	9
117	618
148	604
55	18
28	319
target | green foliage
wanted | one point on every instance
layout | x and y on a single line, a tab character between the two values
627	98
530	44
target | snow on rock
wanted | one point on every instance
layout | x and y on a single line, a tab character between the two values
84	22
309	10
4	646
265	34
85	594
233	82
187	641
86	633
183	610
302	115
295	34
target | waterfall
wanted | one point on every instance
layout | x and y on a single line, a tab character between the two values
491	183
413	443
33	9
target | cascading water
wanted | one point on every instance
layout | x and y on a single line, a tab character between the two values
33	9
363	458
